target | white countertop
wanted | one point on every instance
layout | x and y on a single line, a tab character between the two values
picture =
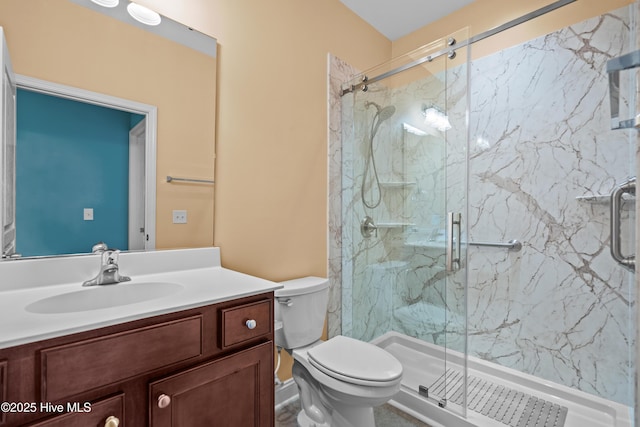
202	281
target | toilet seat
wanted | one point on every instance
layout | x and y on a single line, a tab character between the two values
355	362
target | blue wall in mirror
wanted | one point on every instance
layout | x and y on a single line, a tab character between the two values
70	156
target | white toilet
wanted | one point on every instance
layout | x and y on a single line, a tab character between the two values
339	380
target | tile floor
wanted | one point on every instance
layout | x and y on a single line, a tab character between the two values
385	415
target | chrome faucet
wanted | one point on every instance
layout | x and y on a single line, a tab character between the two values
109	271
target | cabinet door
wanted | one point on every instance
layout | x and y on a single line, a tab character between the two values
236	390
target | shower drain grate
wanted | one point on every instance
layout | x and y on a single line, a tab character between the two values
503	404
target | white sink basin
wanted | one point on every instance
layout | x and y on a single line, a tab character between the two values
98	297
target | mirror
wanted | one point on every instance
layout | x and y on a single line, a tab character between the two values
164	74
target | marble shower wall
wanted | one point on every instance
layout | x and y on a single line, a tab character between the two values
561	308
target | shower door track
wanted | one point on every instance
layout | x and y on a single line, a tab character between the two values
453	45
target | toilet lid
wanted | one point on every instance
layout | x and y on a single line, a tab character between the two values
351	360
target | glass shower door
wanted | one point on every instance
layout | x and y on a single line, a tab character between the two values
404	176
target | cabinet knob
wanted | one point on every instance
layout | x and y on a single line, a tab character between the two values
163	401
251	324
111	422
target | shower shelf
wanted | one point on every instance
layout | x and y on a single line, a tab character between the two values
601	198
397	184
394	224
596	198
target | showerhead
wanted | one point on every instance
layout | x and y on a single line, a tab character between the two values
383	113
386	112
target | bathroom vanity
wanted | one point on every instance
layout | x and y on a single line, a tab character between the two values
202	355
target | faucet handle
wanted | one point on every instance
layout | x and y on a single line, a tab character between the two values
99	247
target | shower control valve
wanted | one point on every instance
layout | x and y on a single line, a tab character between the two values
368	227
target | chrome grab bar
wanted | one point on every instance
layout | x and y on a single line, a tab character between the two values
512	245
452	258
616	242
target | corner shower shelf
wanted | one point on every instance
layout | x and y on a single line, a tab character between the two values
397	184
596	198
601	198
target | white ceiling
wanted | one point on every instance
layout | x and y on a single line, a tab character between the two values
397	18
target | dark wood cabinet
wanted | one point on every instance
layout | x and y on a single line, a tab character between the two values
207	366
3	388
225	392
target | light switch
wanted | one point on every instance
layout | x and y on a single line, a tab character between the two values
88	214
179	216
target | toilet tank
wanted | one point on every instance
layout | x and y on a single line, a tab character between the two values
301	307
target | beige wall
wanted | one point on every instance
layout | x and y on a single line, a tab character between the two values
61	42
271	167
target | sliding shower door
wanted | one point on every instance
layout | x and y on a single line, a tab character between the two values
561	308
404	212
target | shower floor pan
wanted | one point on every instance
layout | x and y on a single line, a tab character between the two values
423	365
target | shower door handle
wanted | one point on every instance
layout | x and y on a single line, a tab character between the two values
452	256
628	187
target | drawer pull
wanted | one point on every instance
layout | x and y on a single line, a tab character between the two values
163	401
112	422
251	324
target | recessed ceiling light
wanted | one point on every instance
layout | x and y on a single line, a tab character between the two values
106	3
143	14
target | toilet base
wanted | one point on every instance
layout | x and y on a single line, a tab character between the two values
305	421
363	419
321	409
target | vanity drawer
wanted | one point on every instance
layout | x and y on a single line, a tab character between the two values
100	412
235	328
74	368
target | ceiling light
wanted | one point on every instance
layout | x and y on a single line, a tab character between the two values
143	14
106	3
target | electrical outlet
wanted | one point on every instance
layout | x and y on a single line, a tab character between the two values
179	216
88	214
